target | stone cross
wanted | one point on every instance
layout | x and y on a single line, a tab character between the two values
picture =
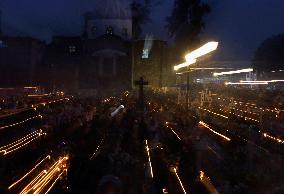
141	83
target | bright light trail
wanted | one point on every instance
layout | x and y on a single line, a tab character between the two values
35	167
38	95
177	67
203	50
207	183
214	113
173	131
55	181
183	189
202	68
97	149
234	72
45	180
246	83
215	132
268	81
191	57
149	159
209	68
273	138
30	87
50	102
21	142
18	123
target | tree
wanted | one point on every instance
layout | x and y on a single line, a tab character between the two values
187	22
269	56
140	15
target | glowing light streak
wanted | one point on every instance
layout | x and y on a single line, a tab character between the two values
21	122
201	68
191	57
97	149
214	113
149	159
55	181
215	132
234	72
39	176
176	134
38	95
251	105
203	50
246	83
47	177
173	131
21	139
177	67
50	102
207	183
183	189
246	118
208	68
28	173
21	143
30	87
273	138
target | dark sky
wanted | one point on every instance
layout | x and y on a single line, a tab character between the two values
239	25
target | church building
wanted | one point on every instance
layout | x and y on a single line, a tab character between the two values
100	60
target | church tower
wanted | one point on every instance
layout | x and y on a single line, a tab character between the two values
110	17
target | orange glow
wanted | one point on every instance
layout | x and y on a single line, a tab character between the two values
38	95
273	138
45	181
36	166
183	189
149	159
18	123
21	142
213	112
215	132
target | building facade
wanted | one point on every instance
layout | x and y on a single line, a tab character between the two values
105	59
19	59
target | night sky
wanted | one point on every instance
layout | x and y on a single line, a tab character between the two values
239	25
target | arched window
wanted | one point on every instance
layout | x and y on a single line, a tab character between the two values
109	30
72	48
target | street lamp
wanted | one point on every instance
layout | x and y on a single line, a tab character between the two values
191	58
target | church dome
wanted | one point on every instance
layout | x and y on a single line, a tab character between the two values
112	9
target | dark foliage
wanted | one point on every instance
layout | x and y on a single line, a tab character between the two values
187	22
141	15
269	55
